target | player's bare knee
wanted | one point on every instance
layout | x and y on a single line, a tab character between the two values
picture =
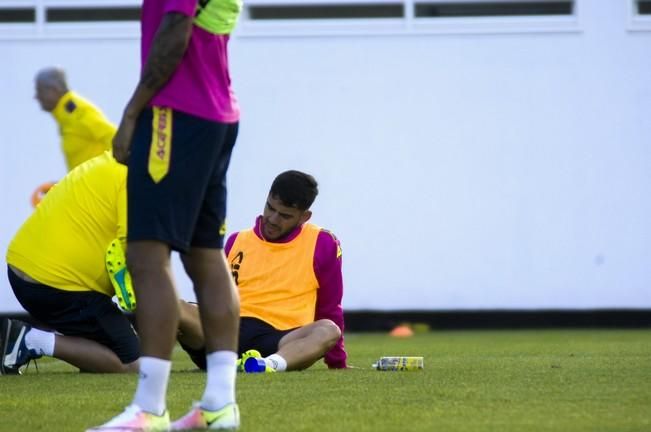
330	331
223	310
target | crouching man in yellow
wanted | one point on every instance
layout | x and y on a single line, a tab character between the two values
56	268
58	272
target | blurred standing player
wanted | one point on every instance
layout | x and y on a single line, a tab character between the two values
177	134
85	131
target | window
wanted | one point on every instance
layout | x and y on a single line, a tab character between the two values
76	19
326	17
640	15
321	11
119	18
94	14
17	15
492	9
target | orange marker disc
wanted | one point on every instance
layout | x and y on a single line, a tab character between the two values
40	192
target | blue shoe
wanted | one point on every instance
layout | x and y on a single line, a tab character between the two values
247	354
15	354
257	365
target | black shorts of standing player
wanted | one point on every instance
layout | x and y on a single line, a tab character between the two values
177	179
254	334
86	314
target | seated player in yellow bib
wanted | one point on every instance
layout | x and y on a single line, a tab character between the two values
288	273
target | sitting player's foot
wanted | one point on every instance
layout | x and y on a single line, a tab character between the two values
227	418
257	365
247	354
134	419
15	356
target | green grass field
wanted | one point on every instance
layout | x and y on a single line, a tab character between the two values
565	380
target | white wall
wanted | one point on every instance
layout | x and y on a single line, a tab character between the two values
460	170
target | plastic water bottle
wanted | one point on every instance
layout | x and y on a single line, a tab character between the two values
399	363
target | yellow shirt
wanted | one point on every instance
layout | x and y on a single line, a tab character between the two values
85	131
276	281
63	243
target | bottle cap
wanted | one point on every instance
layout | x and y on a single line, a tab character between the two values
254	365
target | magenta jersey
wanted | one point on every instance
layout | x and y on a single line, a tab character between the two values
201	84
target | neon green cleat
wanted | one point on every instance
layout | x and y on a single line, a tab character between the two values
247	354
116	265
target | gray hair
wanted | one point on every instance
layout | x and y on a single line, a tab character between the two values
54	77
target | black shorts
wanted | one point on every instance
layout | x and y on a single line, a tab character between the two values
86	314
254	334
176	183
